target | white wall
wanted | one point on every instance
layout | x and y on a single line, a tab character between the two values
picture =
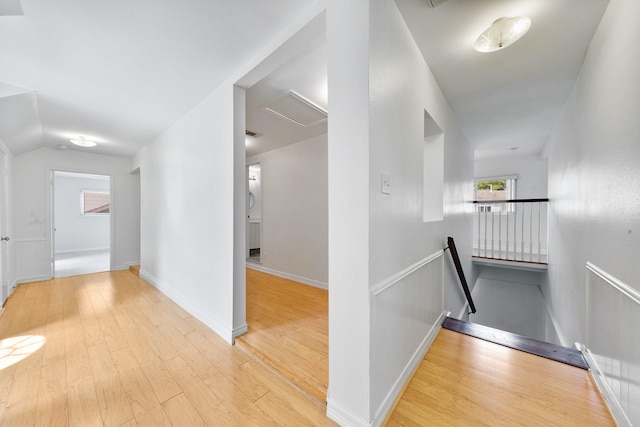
187	183
594	187
32	207
594	173
295	211
379	87
193	243
531	170
73	230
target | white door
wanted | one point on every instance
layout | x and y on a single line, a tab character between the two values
4	226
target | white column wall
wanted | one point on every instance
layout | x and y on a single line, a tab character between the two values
187	233
349	394
32	207
401	89
594	173
379	87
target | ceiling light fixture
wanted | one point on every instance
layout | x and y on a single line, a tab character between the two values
503	33
83	142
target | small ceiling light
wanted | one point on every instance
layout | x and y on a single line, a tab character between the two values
503	33
82	142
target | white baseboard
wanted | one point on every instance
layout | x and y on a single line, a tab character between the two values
342	416
616	410
70	251
239	331
126	265
32	279
219	327
289	276
408	371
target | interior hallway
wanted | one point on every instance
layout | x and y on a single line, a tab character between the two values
109	349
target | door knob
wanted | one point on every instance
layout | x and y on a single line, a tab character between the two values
6	239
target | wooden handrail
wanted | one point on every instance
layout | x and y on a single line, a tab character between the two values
456	261
482	202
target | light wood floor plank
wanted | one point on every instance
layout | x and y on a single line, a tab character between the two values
51	409
114	406
209	406
467	381
146	408
288	330
181	412
118	352
84	408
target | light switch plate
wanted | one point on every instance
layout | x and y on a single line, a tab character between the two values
386	183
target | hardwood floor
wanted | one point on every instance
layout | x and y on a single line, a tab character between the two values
109	349
467	381
288	329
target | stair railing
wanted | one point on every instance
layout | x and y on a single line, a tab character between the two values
456	261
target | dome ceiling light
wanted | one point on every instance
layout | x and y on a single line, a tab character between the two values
82	142
502	33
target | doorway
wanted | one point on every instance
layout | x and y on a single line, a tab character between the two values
81	223
4	224
254	217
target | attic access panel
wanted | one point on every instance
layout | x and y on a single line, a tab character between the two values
296	108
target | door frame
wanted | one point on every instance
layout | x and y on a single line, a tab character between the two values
50	220
255	163
5	225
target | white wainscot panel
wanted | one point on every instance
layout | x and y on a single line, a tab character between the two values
407	312
33	260
613	316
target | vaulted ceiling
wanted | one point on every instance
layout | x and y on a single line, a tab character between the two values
121	72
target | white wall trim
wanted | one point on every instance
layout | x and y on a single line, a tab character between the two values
32	239
616	410
299	279
32	279
219	327
392	280
242	329
615	282
343	416
69	251
408	371
126	265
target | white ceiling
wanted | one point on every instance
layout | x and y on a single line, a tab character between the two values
121	72
306	74
510	98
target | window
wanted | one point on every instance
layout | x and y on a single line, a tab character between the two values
95	203
492	189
